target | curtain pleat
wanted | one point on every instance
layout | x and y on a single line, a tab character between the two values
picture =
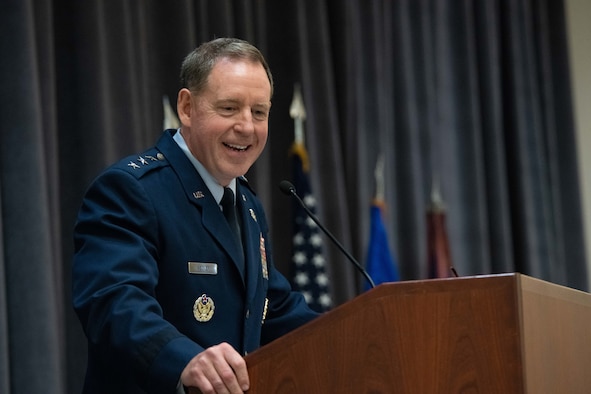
32	317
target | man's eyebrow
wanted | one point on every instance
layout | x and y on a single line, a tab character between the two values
221	101
264	105
227	100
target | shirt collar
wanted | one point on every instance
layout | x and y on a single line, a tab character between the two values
214	187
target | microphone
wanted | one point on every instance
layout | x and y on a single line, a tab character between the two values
289	189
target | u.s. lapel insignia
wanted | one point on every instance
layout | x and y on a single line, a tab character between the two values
203	308
252	214
264	259
198	194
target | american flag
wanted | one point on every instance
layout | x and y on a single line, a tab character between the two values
308	263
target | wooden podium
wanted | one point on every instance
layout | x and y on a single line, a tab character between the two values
505	333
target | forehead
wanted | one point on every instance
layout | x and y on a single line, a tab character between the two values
228	73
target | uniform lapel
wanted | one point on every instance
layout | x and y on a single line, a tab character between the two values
212	218
214	221
252	242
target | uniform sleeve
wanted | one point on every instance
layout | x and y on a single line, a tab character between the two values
114	278
287	309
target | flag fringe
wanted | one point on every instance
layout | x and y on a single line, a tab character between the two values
380	203
298	149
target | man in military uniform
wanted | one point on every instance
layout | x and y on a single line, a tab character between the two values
171	288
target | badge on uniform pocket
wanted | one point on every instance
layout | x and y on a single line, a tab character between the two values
203	308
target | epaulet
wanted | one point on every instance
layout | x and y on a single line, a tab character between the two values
138	165
244	182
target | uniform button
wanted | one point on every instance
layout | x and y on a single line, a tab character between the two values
247	313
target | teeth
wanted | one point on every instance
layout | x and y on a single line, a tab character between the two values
237	147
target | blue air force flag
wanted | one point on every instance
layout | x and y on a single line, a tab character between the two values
380	263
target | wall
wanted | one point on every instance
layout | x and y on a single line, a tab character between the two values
578	14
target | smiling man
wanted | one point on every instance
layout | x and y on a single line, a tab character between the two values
225	122
173	279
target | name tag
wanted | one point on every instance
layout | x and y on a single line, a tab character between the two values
203	268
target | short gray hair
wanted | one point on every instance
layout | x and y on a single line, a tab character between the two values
198	64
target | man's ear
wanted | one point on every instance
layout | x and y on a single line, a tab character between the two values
183	106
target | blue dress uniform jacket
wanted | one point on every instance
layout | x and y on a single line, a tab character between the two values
141	223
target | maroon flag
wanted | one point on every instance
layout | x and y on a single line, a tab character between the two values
438	251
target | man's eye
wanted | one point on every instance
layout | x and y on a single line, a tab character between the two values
260	115
227	110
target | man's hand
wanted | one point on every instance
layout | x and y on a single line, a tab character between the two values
218	369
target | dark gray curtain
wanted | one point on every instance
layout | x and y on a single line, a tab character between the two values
470	96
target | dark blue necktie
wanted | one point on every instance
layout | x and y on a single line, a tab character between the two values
229	209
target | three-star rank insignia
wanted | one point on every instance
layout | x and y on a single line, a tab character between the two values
144	161
203	308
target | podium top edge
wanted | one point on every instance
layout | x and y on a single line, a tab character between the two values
451	278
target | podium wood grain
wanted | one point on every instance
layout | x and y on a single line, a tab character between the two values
488	334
